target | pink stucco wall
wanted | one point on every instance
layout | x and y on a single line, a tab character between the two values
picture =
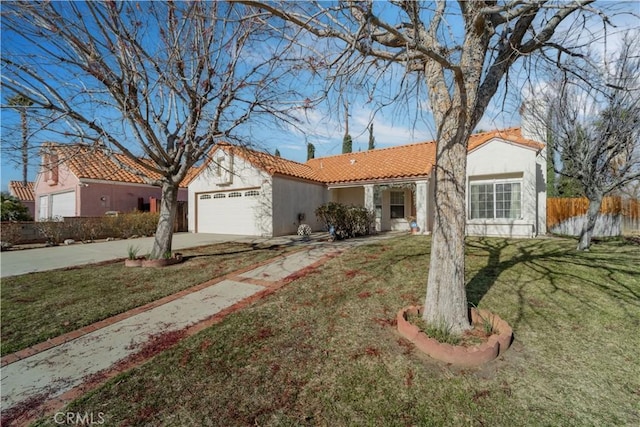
94	198
31	206
97	198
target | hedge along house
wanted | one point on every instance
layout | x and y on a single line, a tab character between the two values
242	191
81	180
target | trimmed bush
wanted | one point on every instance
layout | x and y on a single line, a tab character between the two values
55	231
132	224
347	221
11	232
92	228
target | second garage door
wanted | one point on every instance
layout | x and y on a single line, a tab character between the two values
63	204
231	212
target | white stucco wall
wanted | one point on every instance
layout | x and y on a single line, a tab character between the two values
498	160
348	195
293	197
243	176
541	183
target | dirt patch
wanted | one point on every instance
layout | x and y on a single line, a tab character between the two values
156	344
28	408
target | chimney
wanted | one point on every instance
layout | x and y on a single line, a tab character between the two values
532	120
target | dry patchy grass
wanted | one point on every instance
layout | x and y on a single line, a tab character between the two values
39	306
324	351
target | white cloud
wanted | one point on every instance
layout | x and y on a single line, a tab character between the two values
325	130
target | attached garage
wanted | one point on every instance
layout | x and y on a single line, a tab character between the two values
63	204
229	212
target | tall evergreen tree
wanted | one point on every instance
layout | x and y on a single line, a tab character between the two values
277	153
552	191
568	183
372	139
311	151
347	144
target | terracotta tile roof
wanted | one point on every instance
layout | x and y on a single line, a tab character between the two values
513	135
272	164
21	191
91	163
412	160
404	161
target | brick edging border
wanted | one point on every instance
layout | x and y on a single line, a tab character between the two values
70	336
90	383
458	355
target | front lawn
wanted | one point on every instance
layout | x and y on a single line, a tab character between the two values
39	306
324	351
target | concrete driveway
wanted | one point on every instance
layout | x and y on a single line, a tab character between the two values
14	263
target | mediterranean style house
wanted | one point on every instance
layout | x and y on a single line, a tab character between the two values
247	192
79	180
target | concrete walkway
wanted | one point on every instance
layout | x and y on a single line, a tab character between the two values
54	371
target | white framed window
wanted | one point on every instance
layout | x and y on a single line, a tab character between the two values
205	196
497	199
219	162
219	196
235	194
252	193
397	204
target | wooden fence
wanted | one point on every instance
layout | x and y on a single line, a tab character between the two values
562	209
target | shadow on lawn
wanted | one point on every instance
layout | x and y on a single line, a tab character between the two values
199	253
542	263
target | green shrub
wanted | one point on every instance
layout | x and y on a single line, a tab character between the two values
12	209
132	224
347	221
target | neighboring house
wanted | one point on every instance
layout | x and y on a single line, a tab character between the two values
242	191
79	180
24	193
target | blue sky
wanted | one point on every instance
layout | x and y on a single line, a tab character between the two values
324	127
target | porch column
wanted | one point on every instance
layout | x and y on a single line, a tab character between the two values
368	197
422	204
369	203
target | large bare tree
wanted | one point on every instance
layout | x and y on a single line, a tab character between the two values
160	82
461	52
594	120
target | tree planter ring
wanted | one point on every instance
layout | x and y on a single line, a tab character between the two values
133	262
153	263
458	355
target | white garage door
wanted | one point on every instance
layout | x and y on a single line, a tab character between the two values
63	204
230	212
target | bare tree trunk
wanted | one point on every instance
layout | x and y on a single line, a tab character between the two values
592	215
164	232
446	301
